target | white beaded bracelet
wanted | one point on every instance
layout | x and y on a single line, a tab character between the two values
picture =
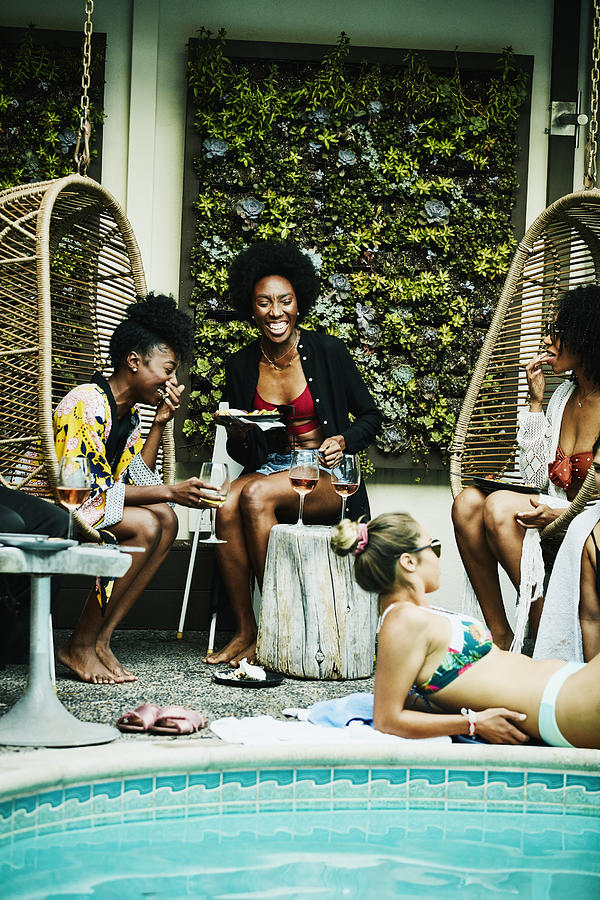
472	717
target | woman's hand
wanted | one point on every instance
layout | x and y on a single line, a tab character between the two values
331	451
538	517
232	426
495	725
194	493
166	408
536	381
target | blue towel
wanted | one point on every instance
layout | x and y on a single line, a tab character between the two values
340	712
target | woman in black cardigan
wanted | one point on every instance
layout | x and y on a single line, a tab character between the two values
275	284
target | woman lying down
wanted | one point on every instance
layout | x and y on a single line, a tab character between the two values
478	688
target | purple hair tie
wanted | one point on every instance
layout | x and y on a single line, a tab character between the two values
363	538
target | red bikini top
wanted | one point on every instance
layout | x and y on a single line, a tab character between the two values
568	471
304	411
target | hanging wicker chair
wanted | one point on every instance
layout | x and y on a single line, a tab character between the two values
558	252
69	266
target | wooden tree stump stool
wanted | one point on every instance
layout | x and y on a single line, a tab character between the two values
315	621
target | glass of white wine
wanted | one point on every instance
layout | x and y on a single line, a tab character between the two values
215	477
345	478
304	475
73	485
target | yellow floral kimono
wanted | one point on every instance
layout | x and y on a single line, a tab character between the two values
82	425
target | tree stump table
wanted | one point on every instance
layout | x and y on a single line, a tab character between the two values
315	621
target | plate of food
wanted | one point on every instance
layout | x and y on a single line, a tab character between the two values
248	676
263	418
487	485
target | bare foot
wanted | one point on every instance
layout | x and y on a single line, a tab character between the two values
106	656
248	652
84	662
235	649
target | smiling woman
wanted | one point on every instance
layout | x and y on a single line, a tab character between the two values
100	421
312	381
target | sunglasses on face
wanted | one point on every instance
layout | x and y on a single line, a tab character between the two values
434	545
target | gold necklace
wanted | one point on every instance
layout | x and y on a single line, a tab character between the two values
583	399
274	362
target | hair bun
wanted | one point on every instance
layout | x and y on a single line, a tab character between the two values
345	537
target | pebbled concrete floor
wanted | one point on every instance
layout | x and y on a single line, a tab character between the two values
171	671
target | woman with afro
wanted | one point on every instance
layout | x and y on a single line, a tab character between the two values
100	420
555	450
274	284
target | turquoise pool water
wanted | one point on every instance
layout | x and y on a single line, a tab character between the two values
297	833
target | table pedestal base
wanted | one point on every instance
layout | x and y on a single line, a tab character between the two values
39	719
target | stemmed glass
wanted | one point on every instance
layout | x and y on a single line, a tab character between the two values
345	478
304	474
73	485
216	477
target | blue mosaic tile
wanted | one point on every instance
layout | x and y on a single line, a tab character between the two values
110	789
239	787
389	785
545	787
582	791
204	809
506	785
173	782
138	815
468	784
208	780
313	784
427	784
78	801
317	776
389	802
275	784
6	809
351	784
107	797
51	798
26	804
141	785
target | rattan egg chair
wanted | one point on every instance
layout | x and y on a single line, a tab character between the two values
559	251
69	266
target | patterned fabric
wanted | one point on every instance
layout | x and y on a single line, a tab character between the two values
538	437
470	641
82	423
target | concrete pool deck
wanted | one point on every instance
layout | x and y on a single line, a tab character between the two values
171	671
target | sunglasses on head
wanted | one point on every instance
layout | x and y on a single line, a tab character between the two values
434	545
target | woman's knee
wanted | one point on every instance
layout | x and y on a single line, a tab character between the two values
168	521
499	511
256	498
467	507
148	529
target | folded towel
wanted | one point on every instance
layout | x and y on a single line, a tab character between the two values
339	712
262	730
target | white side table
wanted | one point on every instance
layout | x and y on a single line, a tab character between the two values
39	719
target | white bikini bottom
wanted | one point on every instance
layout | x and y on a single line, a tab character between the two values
549	730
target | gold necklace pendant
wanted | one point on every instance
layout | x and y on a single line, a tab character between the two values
274	363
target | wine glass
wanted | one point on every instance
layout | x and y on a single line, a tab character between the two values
304	474
215	476
345	478
73	485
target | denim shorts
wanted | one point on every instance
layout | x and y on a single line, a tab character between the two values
279	462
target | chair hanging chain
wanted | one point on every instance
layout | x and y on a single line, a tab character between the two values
82	150
591	148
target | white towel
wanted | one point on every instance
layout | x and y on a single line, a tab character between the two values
559	634
262	730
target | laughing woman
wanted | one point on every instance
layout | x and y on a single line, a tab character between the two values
450	659
100	420
274	284
555	455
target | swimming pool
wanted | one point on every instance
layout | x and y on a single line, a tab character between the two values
387	827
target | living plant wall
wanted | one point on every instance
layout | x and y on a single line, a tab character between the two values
398	182
40	90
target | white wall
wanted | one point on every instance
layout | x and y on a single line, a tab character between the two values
145	96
